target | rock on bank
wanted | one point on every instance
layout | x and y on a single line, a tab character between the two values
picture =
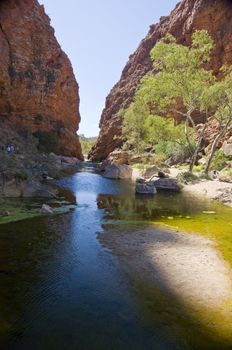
38	90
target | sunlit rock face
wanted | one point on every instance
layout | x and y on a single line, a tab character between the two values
38	90
188	16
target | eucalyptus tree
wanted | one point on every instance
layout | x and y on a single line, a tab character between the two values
220	96
179	82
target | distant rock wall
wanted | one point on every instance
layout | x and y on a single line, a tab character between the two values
38	90
188	16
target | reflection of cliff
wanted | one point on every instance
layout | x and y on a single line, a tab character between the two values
38	90
189	15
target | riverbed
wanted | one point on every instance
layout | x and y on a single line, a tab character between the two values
64	286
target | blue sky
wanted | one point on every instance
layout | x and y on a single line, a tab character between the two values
98	37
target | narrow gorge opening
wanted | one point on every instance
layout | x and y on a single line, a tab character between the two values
122	239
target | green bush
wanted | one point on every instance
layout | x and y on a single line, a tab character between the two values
219	161
204	176
186	178
87	143
158	159
198	168
225	175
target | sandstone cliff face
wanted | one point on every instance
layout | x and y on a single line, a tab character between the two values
188	16
38	90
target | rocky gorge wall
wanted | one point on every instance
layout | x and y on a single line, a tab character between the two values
38	90
188	16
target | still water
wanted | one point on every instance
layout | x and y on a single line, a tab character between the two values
61	289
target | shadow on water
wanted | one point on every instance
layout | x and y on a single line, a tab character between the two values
160	306
62	289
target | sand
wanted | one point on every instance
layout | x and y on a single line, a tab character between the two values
217	190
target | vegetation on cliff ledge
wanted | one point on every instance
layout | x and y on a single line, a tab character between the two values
181	85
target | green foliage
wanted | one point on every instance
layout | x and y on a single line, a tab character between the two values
225	175
178	79
204	176
180	75
87	143
219	161
158	159
198	168
136	128
186	178
47	143
220	95
143	131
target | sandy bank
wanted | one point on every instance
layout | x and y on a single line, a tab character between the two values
217	190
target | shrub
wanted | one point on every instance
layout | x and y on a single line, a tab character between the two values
186	178
158	159
87	143
225	175
220	160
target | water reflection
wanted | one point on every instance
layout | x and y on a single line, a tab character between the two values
162	205
61	289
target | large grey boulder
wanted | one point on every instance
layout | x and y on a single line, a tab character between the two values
166	183
27	189
145	187
118	171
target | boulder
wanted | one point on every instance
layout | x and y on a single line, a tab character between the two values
27	189
116	157
145	187
118	171
166	183
46	209
149	172
227	147
119	156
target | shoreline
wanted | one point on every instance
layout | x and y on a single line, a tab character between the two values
211	189
214	190
185	270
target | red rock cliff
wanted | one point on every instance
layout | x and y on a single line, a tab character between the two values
38	90
188	16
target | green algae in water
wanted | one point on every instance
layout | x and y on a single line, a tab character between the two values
187	214
22	209
215	224
182	212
